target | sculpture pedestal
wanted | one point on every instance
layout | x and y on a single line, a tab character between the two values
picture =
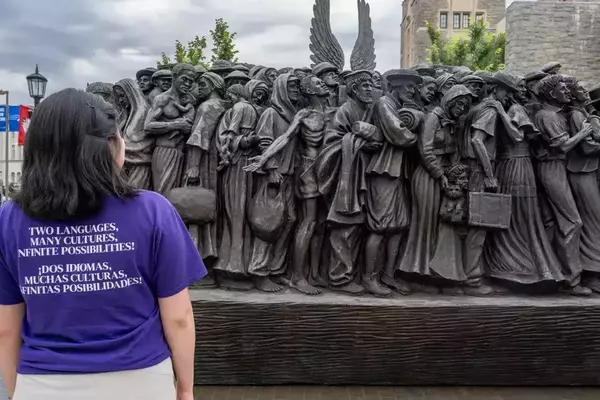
287	338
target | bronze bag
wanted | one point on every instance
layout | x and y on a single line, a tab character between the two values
490	210
194	204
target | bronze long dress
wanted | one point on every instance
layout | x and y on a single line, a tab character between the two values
521	254
434	248
235	250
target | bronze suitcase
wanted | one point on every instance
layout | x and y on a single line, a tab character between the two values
490	210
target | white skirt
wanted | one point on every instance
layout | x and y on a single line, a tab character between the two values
154	383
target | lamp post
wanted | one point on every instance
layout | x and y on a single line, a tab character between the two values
6	142
36	83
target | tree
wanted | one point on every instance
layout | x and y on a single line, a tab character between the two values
477	49
224	47
194	53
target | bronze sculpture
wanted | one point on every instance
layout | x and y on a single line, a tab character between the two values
202	162
565	224
102	89
170	121
304	137
132	107
145	81
431	249
434	178
269	258
237	142
161	82
340	175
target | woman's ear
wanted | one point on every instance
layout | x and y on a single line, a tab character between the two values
117	148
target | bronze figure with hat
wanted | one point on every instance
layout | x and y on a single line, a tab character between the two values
403	85
144	80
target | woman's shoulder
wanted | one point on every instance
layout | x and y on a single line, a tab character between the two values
147	208
149	200
8	209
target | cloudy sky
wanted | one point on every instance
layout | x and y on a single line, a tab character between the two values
81	41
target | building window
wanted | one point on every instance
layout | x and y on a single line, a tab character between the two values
456	21
12	177
465	20
444	20
18	177
479	16
14	152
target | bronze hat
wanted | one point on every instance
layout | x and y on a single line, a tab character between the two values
550	66
237	75
149	71
487	76
221	66
535	76
242	67
594	94
397	77
471	78
424	70
505	80
162	73
323	67
357	74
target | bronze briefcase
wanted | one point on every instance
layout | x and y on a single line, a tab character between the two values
490	210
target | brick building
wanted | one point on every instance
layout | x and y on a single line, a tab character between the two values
560	30
452	16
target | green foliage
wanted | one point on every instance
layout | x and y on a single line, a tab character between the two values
224	47
194	52
476	48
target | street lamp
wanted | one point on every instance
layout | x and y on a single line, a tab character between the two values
6	141
37	86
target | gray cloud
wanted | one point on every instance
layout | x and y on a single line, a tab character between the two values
104	40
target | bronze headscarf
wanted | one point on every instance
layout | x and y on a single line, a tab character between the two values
441	80
217	82
132	122
280	100
443	111
262	75
254	84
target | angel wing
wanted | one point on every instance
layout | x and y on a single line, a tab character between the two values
323	43
363	54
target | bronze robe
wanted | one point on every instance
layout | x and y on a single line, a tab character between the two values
203	137
271	258
235	246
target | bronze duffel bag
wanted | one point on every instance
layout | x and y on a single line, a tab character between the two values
194	204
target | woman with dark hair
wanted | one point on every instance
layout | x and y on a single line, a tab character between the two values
93	274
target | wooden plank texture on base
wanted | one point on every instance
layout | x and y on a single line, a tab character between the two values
287	338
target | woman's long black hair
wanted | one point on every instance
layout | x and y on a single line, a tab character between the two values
69	167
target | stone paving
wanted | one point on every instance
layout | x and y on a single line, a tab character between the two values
392	393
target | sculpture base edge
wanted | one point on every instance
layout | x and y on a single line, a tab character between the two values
251	338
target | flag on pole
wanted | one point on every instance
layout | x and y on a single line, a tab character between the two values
24	118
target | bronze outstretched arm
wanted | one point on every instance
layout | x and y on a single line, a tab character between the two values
278	145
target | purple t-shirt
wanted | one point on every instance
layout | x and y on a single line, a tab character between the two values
91	287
